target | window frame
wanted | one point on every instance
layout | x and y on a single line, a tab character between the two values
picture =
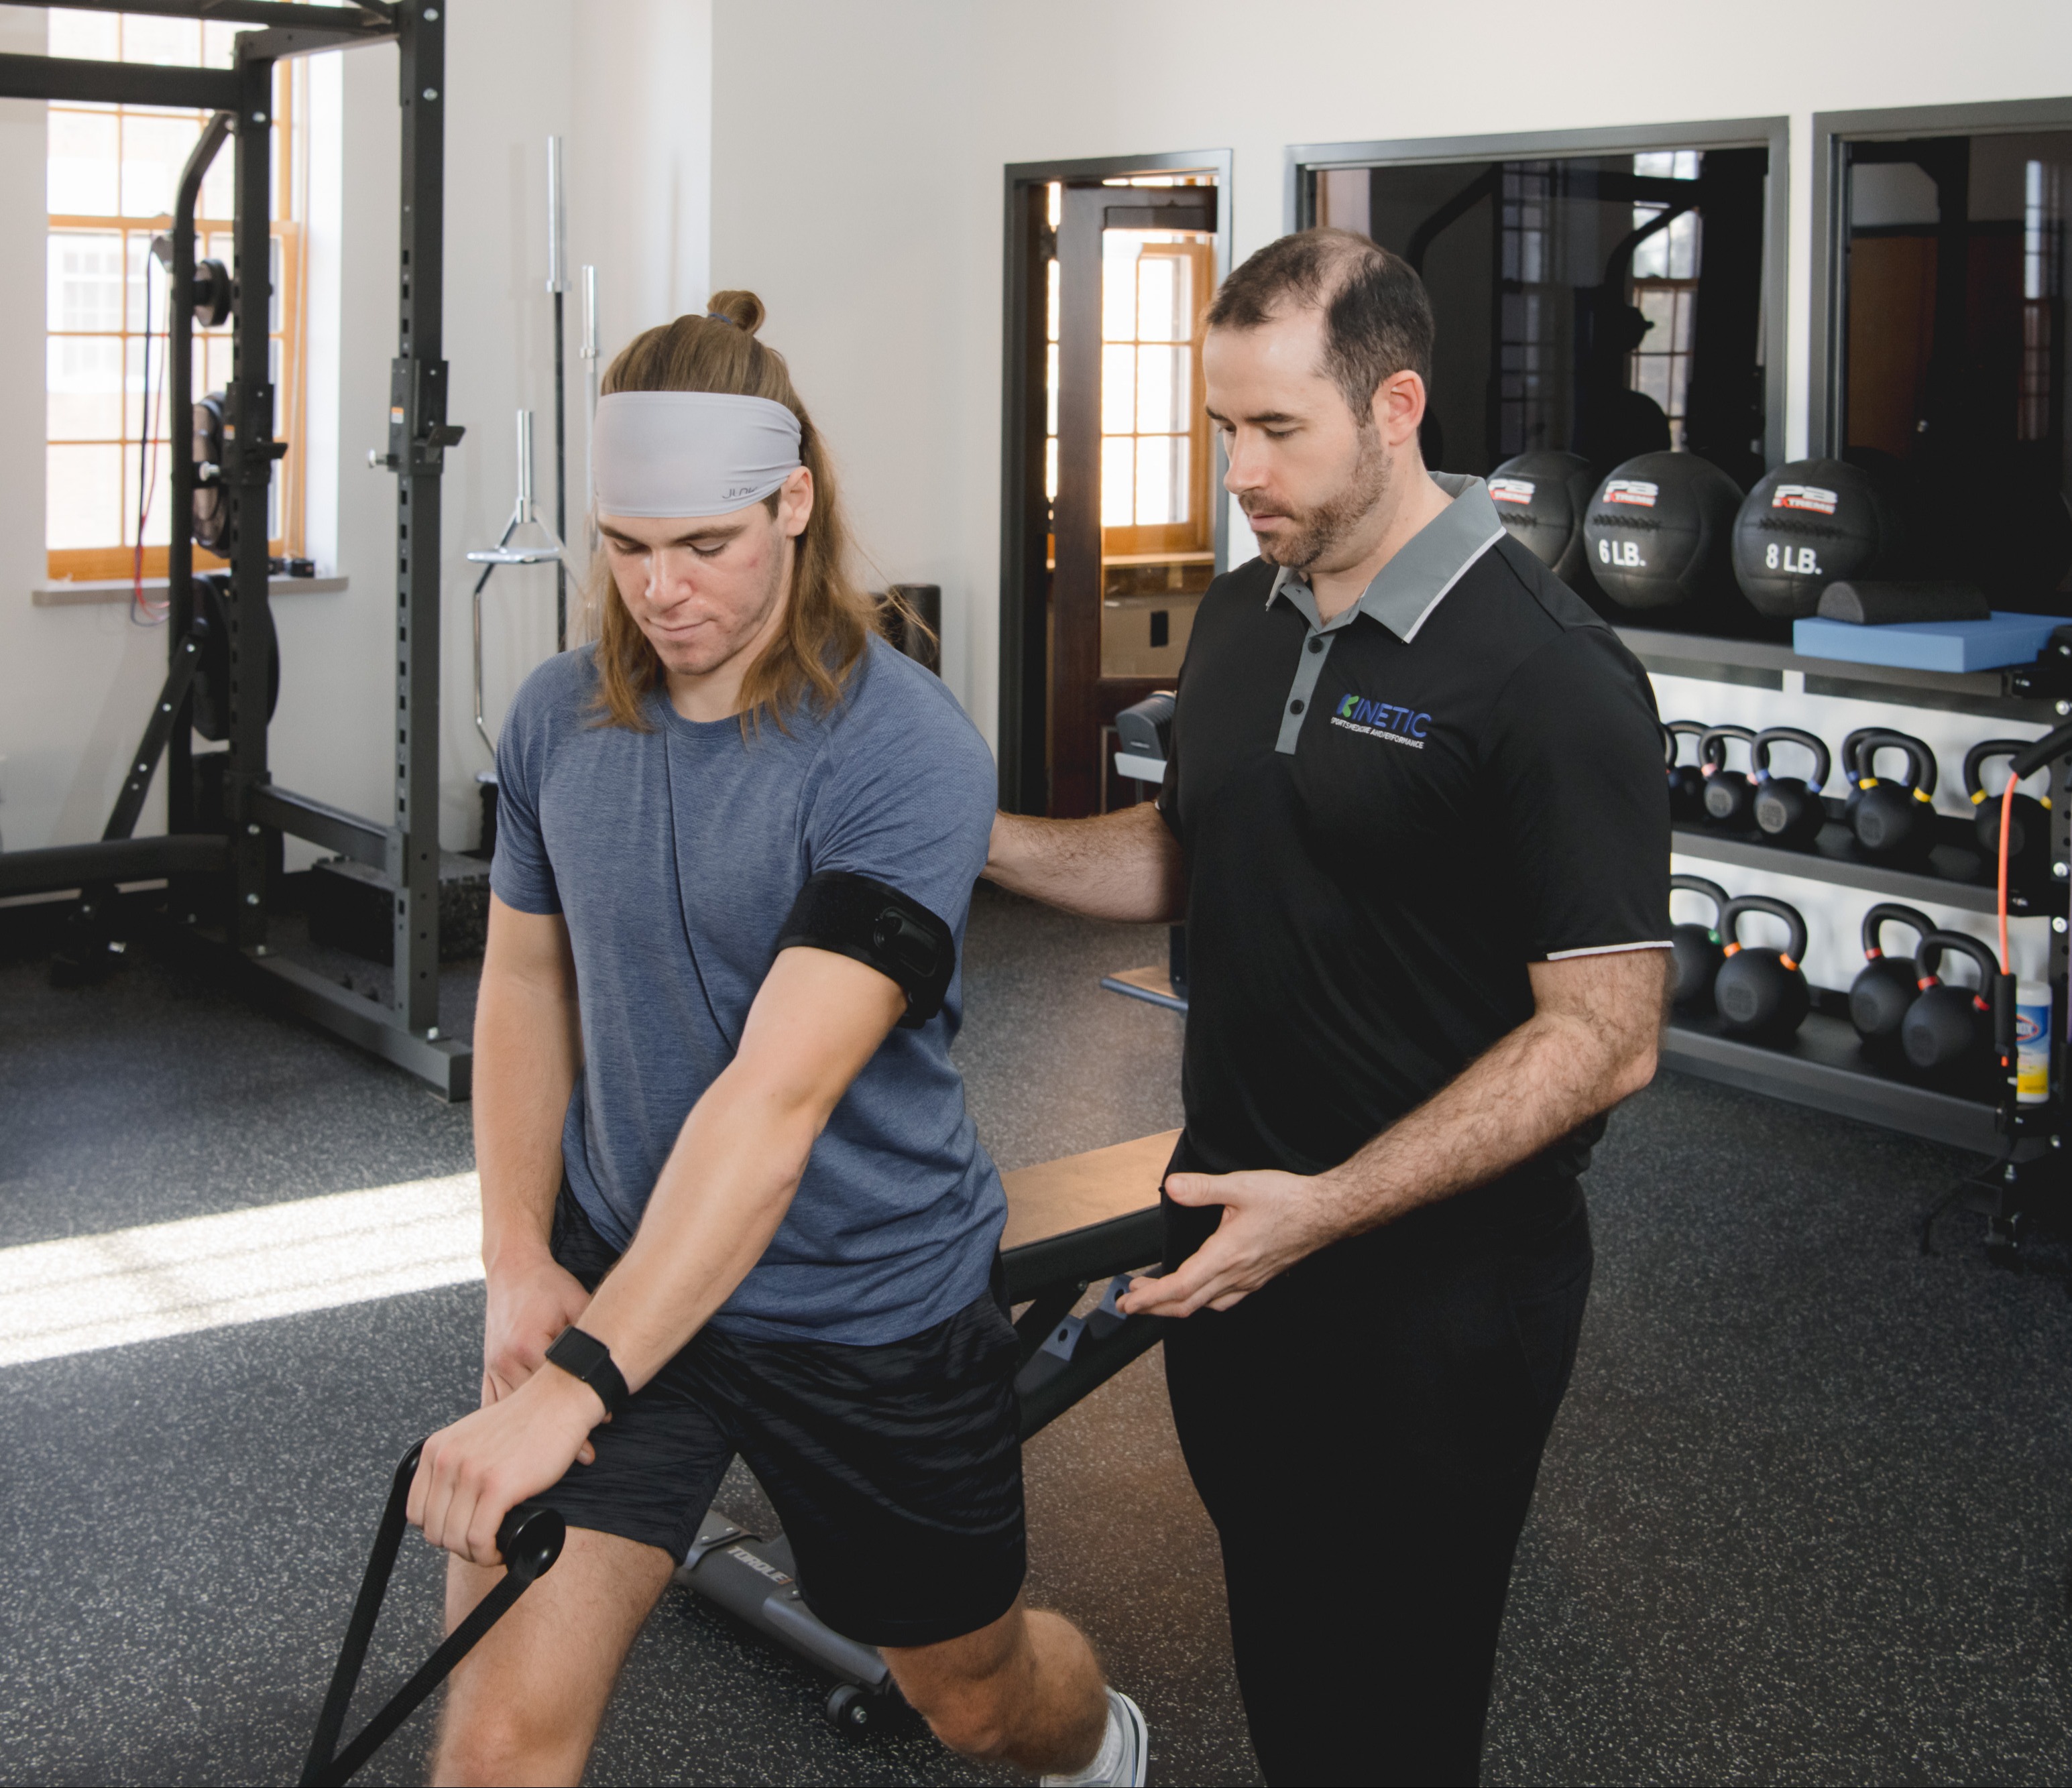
289	231
1305	161
1197	534
1832	133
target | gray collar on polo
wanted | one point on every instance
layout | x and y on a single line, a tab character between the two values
1404	593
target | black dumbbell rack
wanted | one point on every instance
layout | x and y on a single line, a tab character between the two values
1824	1067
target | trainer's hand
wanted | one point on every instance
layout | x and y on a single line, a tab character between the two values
470	1475
1270	1221
528	1306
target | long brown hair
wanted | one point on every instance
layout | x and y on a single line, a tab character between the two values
830	618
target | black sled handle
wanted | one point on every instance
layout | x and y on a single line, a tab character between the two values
530	1540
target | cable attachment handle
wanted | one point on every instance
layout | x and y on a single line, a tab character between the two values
530	1539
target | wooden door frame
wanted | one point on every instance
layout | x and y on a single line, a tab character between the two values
1024	639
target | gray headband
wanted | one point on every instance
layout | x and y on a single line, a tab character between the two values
688	453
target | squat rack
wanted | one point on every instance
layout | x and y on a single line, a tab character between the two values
256	812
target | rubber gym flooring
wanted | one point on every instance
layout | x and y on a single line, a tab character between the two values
1807	1515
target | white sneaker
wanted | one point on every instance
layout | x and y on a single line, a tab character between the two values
1124	1753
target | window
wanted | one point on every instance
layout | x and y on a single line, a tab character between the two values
1665	291
113	172
1594	296
1154	426
1154	457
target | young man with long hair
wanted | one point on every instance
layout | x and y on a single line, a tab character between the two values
732	1201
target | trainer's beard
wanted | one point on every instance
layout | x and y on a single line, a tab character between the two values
1316	530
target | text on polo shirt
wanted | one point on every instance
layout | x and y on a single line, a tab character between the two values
1382	720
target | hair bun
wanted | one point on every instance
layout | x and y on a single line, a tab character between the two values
743	310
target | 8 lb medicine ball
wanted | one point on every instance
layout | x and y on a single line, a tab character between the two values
1809	524
1542	497
1657	532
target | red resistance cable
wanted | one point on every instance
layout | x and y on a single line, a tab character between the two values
2007	819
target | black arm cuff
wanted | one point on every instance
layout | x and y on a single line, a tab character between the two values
881	928
583	1356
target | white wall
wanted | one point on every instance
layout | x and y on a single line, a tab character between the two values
858	151
625	85
73	682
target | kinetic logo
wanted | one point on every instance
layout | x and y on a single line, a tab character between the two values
1382	720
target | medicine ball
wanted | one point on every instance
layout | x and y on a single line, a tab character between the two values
1658	534
1542	498
1807	525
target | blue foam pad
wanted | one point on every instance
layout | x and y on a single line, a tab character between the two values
2006	639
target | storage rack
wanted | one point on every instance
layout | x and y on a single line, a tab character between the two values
1824	1065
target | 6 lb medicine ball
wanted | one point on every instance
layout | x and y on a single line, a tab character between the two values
1657	532
1541	497
1809	524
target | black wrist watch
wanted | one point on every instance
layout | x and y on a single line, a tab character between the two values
586	1358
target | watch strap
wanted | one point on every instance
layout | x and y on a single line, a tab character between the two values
583	1356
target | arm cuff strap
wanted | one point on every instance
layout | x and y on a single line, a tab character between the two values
881	928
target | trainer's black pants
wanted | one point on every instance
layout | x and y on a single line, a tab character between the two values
1365	1432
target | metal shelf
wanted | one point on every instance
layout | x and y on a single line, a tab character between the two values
1949	879
1824	1067
2011	692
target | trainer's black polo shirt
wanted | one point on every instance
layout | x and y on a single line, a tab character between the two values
1386	819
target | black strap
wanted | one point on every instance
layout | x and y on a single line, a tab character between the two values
855	916
530	1540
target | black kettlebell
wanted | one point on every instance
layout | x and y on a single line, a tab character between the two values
1788	809
1761	993
2029	833
1894	818
1686	781
1951	1028
1729	795
1696	948
1852	771
1888	985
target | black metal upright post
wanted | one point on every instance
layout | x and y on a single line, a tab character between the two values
418	439
180	468
247	471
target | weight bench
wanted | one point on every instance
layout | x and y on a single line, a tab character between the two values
1070	1223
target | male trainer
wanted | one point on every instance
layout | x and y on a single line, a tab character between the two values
1414	815
732	1201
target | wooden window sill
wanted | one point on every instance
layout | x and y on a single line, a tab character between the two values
71	592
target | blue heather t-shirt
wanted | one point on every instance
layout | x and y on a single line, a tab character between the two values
675	855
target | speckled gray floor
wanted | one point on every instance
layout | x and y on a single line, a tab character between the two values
1805	1516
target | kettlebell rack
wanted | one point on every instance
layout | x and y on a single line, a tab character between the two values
1824	1066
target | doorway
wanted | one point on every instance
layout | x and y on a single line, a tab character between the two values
1112	520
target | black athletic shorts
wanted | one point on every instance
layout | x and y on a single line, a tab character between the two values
895	1469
